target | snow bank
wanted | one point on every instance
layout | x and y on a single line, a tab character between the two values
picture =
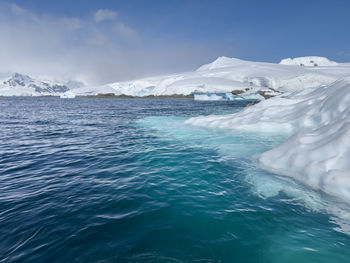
318	153
308	61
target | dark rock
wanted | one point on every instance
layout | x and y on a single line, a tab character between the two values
237	92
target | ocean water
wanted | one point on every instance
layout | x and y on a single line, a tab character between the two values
125	180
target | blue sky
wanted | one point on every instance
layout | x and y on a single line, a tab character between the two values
103	41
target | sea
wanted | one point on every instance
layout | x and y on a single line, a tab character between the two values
127	180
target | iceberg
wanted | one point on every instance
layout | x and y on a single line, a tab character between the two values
225	96
318	119
67	95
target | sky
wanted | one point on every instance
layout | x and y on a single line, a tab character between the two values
101	41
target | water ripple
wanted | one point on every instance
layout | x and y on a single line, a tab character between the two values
106	180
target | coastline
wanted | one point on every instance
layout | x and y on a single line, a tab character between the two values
112	96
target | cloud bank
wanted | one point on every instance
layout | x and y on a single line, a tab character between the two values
96	50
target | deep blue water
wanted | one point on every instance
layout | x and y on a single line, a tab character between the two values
125	180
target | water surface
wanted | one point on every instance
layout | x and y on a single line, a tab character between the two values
125	180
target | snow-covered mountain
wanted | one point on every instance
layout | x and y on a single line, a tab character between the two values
231	74
23	85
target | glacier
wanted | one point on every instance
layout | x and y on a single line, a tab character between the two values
228	75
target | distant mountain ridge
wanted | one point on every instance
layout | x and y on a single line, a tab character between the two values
222	75
23	85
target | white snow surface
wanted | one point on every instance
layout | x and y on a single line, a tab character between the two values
318	152
225	75
309	61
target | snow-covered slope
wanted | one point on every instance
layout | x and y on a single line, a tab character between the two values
309	62
226	75
23	85
318	154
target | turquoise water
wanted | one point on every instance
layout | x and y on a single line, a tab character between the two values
125	180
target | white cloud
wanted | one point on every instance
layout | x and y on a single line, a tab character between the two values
105	14
66	48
